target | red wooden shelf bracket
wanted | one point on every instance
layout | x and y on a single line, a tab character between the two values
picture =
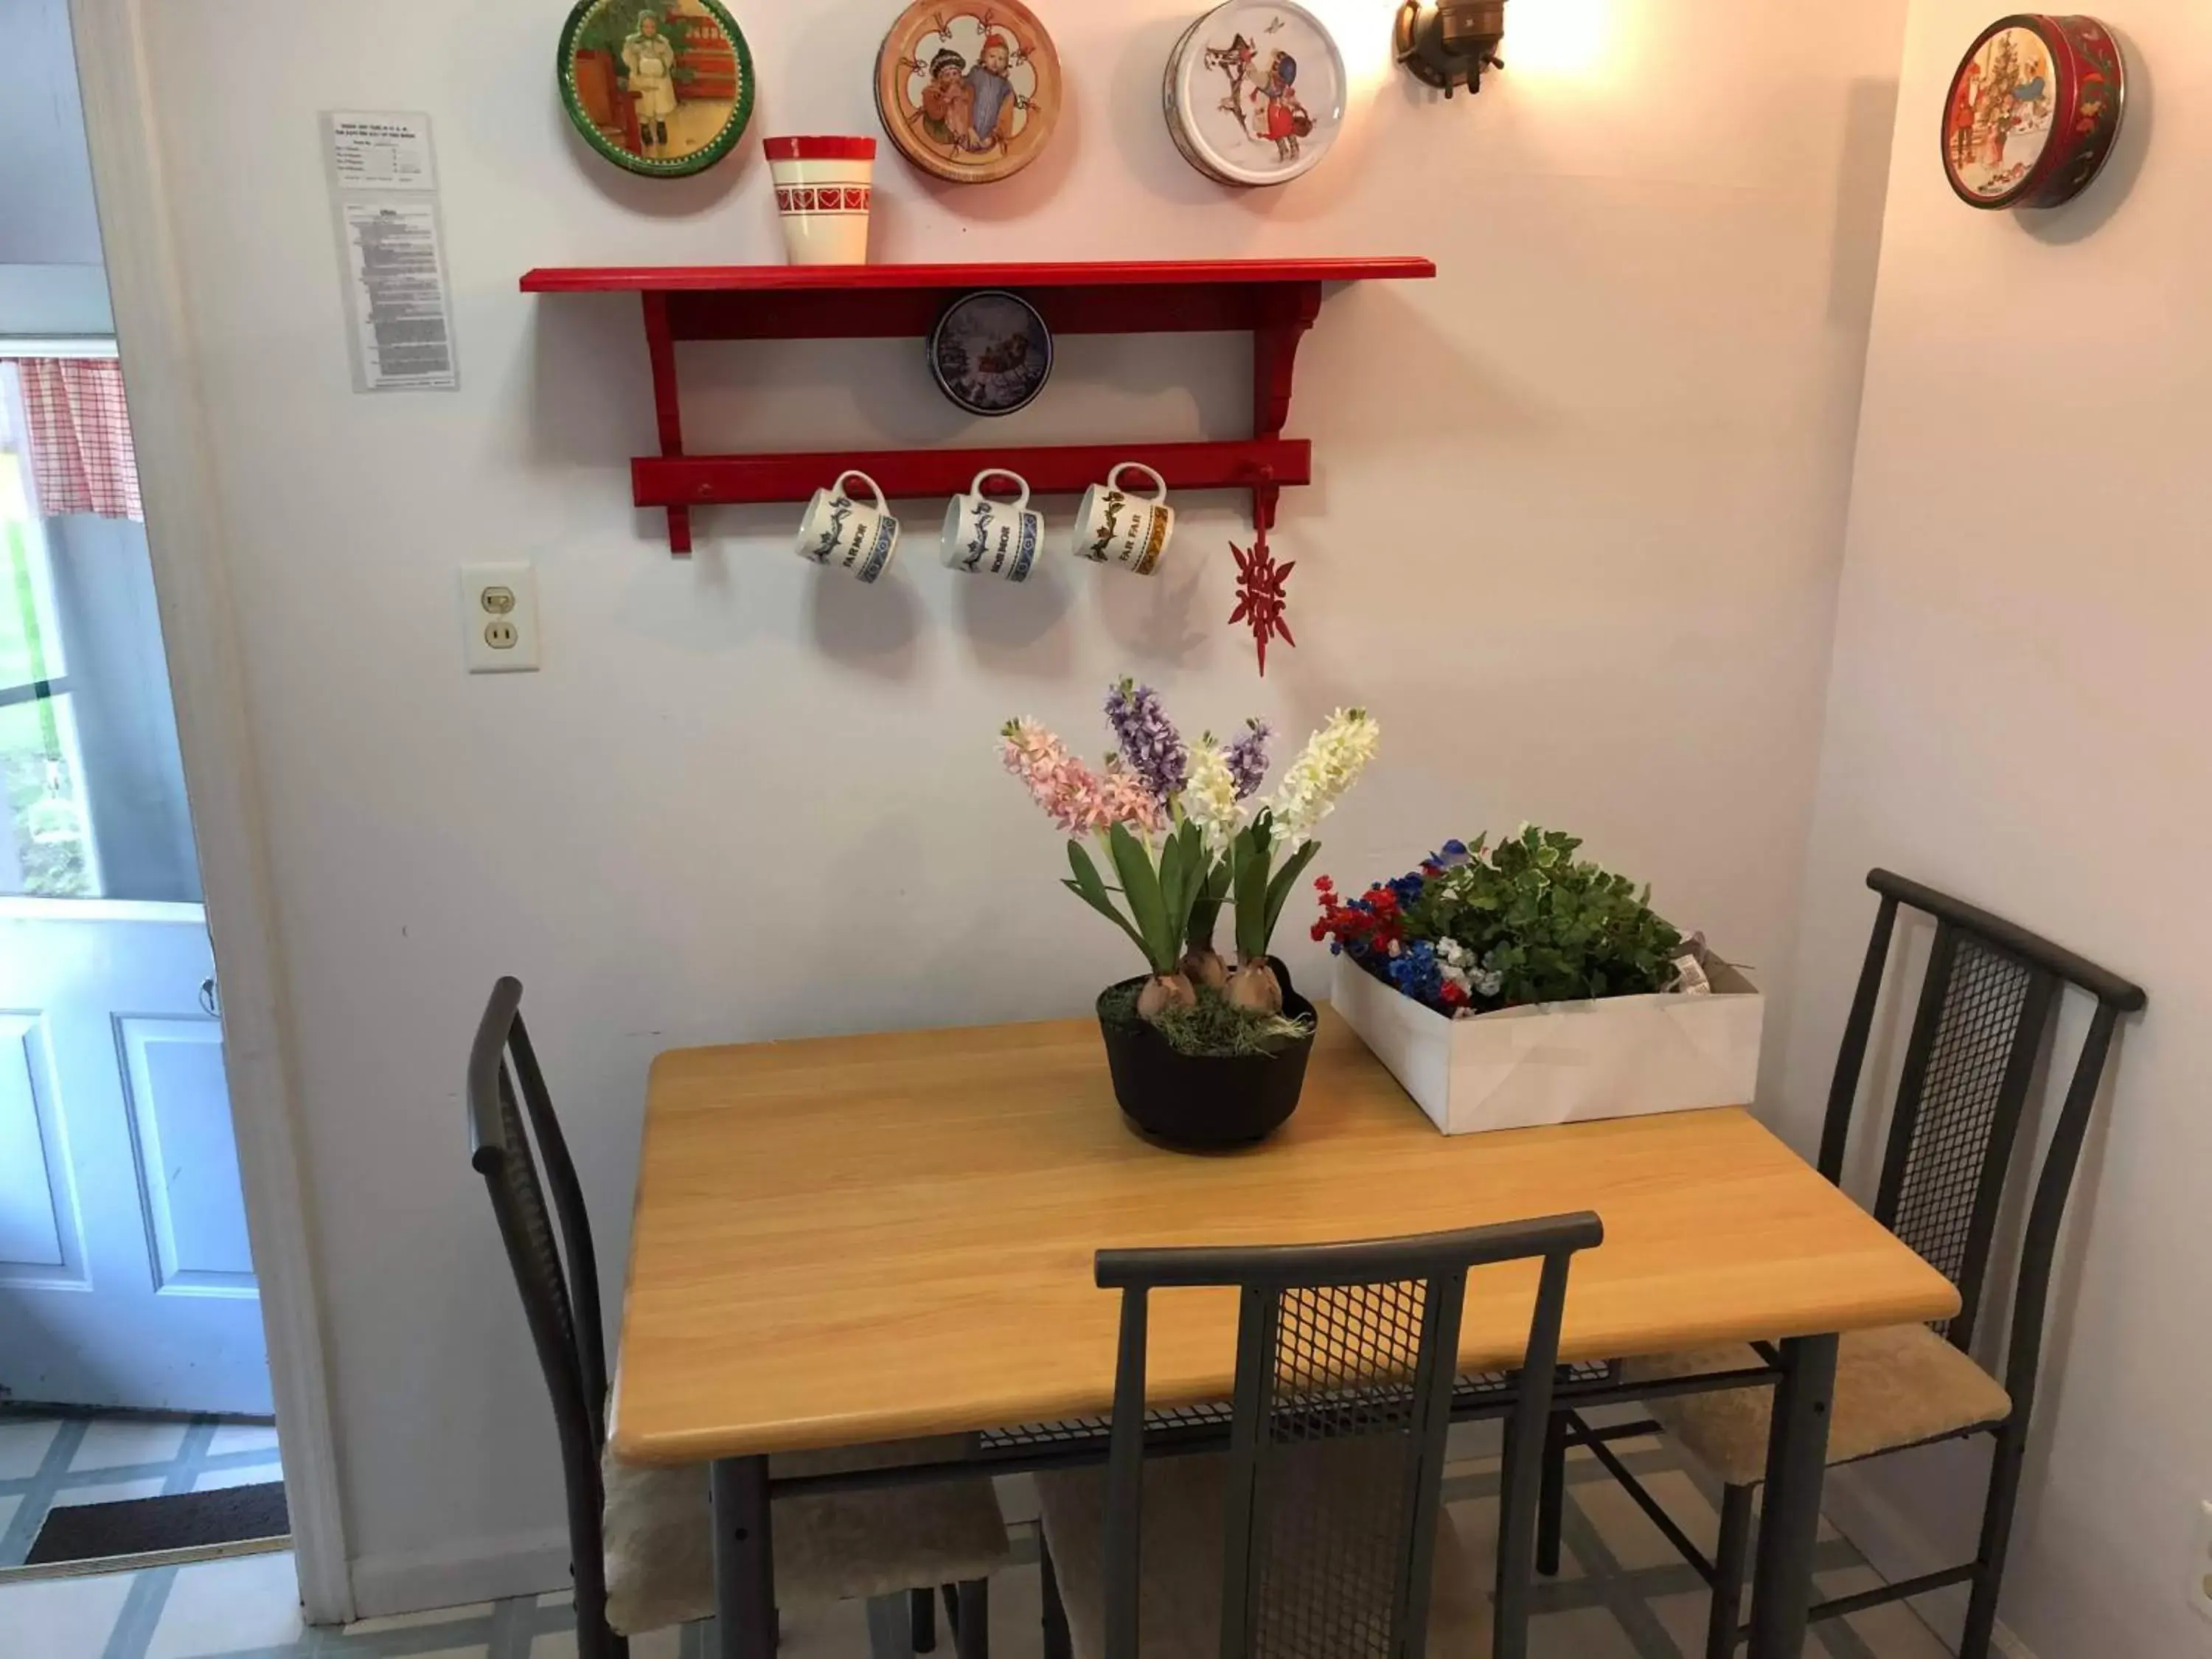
1276	301
1288	313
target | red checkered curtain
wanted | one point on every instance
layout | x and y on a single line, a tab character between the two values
79	435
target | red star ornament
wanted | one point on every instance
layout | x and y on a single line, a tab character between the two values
1260	595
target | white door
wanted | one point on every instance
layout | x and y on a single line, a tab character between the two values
125	1275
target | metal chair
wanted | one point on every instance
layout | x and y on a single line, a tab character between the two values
1983	1021
1319	1534
641	1540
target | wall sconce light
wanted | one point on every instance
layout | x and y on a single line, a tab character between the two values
1449	43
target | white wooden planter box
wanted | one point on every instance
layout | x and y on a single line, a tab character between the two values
1567	1062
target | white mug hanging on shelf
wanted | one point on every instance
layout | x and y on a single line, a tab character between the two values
1114	527
986	537
850	535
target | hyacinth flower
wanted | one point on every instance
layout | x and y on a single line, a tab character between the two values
1212	800
1120	809
1314	783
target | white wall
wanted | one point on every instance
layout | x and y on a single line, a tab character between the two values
49	276
1574	539
2021	668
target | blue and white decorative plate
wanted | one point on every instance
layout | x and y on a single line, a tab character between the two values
991	352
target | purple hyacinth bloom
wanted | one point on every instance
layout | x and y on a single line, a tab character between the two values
1151	746
1248	759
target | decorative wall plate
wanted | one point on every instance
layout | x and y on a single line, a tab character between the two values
2033	111
1254	92
990	352
661	87
969	90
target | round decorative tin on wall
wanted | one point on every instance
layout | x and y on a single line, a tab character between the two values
1254	92
663	87
2033	111
969	90
990	352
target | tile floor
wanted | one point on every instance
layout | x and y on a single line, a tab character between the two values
45	1463
1622	1595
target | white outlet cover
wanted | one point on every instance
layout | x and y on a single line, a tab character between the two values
499	618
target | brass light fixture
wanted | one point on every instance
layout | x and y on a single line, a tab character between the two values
1449	43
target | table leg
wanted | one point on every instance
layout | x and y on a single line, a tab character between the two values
744	1560
1790	1526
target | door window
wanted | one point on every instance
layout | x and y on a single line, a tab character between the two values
46	844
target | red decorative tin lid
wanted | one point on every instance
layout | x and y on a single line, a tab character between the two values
2033	111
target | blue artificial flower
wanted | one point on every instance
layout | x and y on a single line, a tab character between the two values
1416	974
1456	850
1409	889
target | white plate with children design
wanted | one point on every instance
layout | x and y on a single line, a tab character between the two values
1256	92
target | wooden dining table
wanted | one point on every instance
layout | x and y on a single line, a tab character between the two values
847	1240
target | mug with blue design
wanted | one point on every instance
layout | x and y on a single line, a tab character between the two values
986	537
852	535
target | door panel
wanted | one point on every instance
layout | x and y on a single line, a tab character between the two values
36	1220
111	1091
187	1164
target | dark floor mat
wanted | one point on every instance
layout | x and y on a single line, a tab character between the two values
139	1526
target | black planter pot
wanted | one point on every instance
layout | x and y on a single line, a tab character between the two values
1205	1101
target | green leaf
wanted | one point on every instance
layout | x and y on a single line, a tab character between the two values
1251	884
1140	886
1091	890
1278	890
1183	896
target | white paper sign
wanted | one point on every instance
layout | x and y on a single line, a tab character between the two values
380	152
402	313
399	302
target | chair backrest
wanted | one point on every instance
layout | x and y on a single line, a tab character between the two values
550	1250
1985	1011
1338	1343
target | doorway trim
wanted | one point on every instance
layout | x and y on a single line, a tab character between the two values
191	585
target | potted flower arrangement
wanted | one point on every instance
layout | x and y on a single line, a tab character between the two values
1202	1053
1518	985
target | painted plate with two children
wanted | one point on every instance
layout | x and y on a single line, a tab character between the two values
969	95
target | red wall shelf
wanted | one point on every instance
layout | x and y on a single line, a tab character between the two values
1275	301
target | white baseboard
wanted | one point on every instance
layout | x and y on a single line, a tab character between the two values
1897	1549
416	1582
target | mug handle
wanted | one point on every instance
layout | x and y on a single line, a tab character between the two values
1113	479
874	488
991	472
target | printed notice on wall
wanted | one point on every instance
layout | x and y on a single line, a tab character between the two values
380	152
399	301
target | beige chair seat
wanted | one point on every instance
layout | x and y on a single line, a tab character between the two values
1895	1387
659	1537
1181	1537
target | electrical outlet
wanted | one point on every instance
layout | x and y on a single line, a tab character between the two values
499	618
2200	1570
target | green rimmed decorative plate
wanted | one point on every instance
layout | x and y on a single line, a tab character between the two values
664	88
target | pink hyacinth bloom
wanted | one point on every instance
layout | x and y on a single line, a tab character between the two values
1063	785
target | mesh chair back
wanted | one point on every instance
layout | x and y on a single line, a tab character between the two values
1985	1012
549	1246
1346	1359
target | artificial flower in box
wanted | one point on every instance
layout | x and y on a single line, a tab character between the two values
1516	985
1163	837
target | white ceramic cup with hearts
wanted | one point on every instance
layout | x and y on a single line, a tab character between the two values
1114	527
849	535
824	189
986	537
